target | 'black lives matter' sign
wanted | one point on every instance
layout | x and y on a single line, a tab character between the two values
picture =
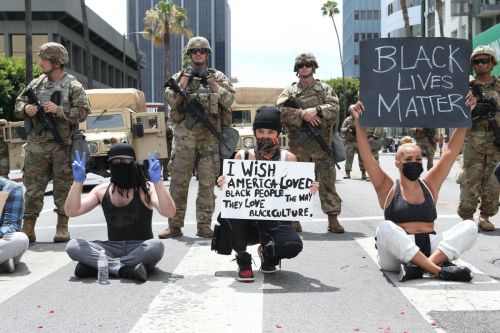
415	82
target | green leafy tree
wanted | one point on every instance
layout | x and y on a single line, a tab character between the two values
162	21
12	82
347	91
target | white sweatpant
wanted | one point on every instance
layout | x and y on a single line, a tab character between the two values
13	245
396	246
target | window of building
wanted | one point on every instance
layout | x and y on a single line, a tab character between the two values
390	9
111	76
356	37
363	36
369	14
76	58
376	35
104	72
363	14
67	44
376	14
18	45
95	68
119	78
356	15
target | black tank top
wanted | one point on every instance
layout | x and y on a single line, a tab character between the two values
132	222
400	211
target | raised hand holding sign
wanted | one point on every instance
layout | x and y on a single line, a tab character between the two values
154	168
78	167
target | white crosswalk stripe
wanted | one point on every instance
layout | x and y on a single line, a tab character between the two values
203	301
39	265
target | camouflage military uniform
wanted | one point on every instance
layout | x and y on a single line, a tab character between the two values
197	145
306	148
480	156
426	141
45	159
4	152
349	136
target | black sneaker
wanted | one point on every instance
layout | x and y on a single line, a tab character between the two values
456	273
410	272
244	261
447	264
85	271
265	266
137	272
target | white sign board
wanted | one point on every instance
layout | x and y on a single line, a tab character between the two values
267	190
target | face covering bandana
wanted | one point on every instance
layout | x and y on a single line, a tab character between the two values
266	146
412	170
124	175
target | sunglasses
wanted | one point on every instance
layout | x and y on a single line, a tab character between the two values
483	61
302	65
200	51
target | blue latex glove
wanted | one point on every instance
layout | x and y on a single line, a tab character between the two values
78	167
154	168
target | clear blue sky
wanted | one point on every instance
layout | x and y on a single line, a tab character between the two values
266	35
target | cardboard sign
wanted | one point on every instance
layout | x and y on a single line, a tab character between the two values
267	190
414	82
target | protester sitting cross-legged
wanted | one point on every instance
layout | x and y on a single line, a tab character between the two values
13	243
407	240
127	202
277	239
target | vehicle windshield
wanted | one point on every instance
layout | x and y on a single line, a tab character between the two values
105	121
242	116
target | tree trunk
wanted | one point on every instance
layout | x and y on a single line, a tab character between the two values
470	13
439	10
88	50
406	18
29	41
166	55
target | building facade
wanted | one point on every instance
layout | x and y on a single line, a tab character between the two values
61	21
208	18
392	23
361	20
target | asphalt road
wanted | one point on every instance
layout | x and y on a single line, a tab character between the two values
334	285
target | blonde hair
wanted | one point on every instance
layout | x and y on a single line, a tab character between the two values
405	142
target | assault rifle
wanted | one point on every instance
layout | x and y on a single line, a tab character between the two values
195	113
311	132
485	108
46	121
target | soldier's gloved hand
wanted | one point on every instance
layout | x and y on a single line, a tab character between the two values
78	167
203	75
189	71
154	168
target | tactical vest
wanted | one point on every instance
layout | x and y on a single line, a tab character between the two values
44	91
205	95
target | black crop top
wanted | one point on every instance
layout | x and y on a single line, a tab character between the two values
400	211
132	222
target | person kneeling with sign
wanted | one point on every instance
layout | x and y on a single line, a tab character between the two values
406	240
277	239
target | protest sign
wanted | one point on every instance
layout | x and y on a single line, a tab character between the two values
414	82
267	190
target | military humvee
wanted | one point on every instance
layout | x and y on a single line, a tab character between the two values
246	102
118	115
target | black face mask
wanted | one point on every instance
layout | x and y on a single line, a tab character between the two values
124	175
412	170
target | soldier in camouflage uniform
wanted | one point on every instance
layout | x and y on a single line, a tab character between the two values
319	106
45	159
4	152
426	140
197	145
480	154
348	132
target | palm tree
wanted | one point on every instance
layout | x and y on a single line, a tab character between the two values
88	51
470	14
29	41
439	10
329	8
406	18
162	21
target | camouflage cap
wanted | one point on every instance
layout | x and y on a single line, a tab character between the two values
55	52
198	43
484	49
3	122
305	57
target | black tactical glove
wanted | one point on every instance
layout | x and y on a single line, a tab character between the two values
203	74
189	71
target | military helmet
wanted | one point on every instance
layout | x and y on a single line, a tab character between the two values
54	52
3	122
198	43
305	57
484	49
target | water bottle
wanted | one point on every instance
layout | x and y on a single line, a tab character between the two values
102	268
